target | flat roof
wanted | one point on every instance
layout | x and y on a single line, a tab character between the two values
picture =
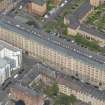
4	44
3	62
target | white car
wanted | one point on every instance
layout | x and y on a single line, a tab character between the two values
15	76
65	1
62	5
20	7
17	25
46	16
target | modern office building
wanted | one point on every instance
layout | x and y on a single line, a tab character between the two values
97	2
11	53
38	7
10	59
4	70
3	97
88	67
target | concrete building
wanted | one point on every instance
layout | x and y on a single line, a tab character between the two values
10	59
4	70
38	7
97	2
83	64
11	53
28	96
3	97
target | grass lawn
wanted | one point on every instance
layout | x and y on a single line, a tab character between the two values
50	5
56	26
59	98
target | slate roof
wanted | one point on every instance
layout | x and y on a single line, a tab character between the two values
79	14
81	87
92	31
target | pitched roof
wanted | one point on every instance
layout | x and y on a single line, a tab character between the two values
79	14
92	31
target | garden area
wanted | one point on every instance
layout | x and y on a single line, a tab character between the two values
58	25
50	5
91	45
97	18
52	92
59	98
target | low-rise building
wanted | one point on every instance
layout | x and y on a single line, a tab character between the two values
38	7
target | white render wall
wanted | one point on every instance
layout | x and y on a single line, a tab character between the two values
14	55
4	73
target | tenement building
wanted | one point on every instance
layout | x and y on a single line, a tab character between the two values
71	86
12	53
57	2
7	5
28	96
96	2
38	7
86	66
82	91
75	24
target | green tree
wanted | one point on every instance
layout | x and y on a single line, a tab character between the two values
65	100
53	90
